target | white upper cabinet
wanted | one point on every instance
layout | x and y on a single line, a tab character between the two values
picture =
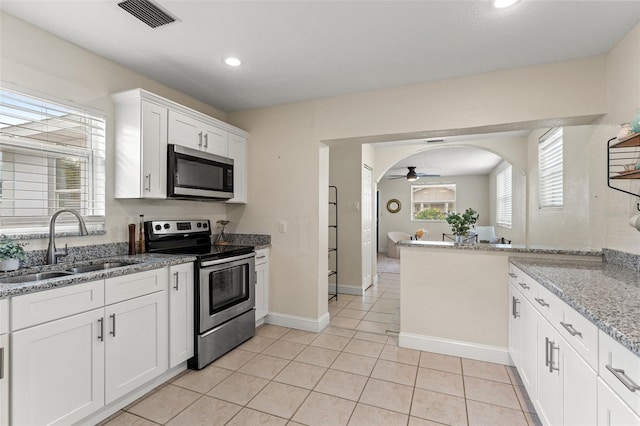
193	133
238	151
146	123
141	148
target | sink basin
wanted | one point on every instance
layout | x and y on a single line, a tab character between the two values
97	267
35	277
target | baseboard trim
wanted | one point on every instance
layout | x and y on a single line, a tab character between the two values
348	289
461	349
300	323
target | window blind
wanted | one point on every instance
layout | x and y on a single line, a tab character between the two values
504	202
52	156
550	169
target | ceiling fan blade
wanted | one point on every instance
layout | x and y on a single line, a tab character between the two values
428	175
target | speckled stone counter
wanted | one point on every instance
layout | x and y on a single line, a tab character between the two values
138	263
508	248
259	241
606	293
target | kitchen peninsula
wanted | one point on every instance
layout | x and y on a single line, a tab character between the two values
454	298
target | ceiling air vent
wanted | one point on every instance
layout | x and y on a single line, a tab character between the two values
147	12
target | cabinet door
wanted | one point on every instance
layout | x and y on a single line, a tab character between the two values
238	151
136	337
181	317
57	370
154	150
215	140
4	379
185	130
529	354
579	388
612	411
549	378
515	324
262	290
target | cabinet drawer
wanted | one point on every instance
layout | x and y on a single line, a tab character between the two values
48	305
262	256
4	316
523	282
620	369
579	332
547	303
129	286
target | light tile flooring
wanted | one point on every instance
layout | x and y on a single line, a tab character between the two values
353	372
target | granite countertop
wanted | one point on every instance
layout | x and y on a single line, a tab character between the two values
606	294
509	248
138	263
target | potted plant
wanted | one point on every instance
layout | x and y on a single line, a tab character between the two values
11	253
462	223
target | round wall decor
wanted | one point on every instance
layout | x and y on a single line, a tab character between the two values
394	206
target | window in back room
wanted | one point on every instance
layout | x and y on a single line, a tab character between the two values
550	170
52	156
432	201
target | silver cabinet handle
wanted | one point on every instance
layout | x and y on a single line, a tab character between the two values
260	257
514	307
101	335
113	324
147	179
1	363
512	275
549	347
523	285
572	331
619	373
206	140
541	301
200	139
177	275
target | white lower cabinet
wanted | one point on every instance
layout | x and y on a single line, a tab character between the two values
82	358
558	377
136	343
262	284
181	319
4	379
612	411
57	370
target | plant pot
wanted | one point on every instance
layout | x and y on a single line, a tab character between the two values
9	264
459	239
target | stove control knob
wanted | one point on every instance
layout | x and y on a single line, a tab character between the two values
158	227
167	226
205	225
199	225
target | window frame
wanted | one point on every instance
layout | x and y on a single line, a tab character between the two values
91	152
551	170
451	204
504	197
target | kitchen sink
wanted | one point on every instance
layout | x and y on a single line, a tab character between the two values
97	267
34	277
56	274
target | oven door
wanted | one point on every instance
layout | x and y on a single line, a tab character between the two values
226	290
196	174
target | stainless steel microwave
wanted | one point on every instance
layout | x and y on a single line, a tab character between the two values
194	174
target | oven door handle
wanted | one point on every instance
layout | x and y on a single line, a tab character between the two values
226	260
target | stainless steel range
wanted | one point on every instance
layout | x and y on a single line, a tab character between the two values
224	280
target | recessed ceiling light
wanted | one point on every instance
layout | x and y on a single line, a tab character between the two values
501	4
232	62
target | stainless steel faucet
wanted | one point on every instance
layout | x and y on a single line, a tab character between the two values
52	253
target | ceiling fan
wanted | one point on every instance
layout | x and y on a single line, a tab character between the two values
412	175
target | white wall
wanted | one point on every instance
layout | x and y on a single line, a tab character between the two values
471	191
36	60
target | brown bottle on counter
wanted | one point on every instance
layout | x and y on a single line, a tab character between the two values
132	239
141	235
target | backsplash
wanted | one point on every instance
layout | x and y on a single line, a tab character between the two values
621	258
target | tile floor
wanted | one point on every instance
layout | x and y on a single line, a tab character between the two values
353	372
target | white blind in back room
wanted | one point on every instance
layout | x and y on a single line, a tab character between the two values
52	156
504	197
550	169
